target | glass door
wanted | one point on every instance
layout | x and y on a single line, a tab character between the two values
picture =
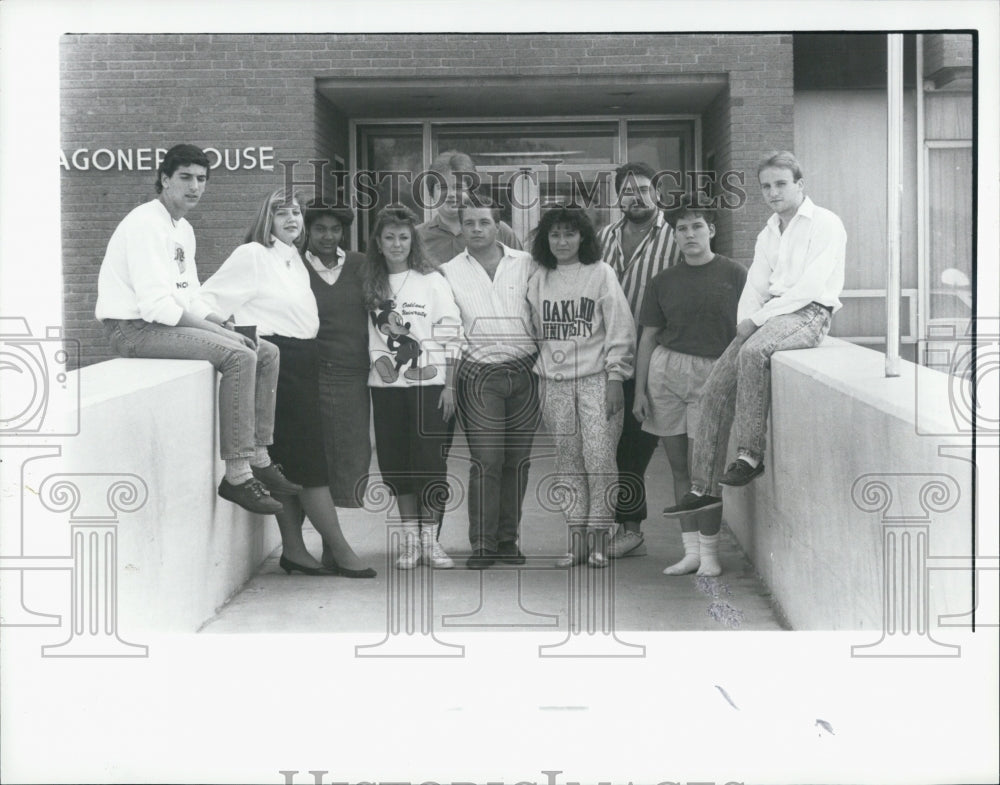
525	166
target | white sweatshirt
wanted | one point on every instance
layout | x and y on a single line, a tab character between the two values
582	322
149	269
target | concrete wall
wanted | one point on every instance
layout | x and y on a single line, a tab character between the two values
186	550
813	534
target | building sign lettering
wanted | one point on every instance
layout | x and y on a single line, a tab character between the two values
148	159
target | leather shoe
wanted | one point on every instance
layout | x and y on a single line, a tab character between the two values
289	567
274	479
692	502
480	559
508	553
344	572
250	495
739	472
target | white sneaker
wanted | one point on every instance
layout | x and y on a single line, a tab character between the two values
626	543
433	553
409	553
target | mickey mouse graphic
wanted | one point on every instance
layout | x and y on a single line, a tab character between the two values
404	349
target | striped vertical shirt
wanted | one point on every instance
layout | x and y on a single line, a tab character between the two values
655	253
495	314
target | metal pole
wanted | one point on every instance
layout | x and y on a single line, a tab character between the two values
894	193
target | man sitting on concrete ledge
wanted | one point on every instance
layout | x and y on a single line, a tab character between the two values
145	298
791	292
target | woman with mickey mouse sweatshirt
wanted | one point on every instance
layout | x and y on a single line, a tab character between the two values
414	336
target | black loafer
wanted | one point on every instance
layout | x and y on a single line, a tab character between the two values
480	559
250	495
692	502
740	473
508	553
274	479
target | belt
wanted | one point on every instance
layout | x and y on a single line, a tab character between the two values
829	308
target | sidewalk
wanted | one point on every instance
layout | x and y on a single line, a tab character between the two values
531	597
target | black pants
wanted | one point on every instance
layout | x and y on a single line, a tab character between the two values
635	451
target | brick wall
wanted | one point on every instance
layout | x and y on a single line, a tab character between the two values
237	91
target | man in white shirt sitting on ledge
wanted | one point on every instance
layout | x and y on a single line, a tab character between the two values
791	292
145	298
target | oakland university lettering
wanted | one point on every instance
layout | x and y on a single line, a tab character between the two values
563	319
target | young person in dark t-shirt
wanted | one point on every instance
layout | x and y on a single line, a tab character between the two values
689	318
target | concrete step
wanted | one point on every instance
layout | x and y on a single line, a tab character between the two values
535	597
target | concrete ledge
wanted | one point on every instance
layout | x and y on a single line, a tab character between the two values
851	457
186	551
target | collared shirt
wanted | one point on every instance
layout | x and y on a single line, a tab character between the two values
442	245
655	253
268	287
496	317
791	269
328	274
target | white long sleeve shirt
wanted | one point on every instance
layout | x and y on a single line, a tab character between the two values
791	269
266	287
495	313
149	269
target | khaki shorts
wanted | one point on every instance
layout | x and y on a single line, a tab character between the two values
673	389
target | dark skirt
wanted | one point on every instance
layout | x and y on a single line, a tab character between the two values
346	411
298	429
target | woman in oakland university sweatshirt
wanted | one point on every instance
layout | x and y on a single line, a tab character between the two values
586	340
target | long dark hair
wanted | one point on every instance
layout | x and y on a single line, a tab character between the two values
376	278
575	218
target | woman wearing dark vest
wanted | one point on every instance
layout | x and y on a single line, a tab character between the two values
342	342
265	283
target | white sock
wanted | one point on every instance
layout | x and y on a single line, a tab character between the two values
692	557
261	458
748	459
238	470
709	545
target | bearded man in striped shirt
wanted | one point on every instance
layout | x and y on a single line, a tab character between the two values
638	247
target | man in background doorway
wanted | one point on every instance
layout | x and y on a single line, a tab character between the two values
442	235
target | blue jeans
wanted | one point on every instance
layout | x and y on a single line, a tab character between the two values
498	408
739	389
249	378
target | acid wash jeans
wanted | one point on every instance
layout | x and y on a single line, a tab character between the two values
739	388
249	378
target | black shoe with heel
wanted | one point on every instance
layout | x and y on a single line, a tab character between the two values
344	572
289	567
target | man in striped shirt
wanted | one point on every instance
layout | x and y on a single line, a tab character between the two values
637	247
